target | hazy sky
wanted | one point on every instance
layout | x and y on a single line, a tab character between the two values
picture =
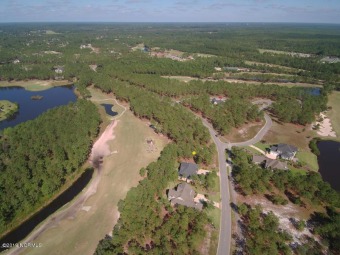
312	11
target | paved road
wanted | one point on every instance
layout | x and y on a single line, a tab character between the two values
224	243
225	221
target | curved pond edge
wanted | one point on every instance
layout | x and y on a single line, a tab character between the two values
329	162
25	228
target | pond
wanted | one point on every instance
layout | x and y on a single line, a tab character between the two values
108	109
30	109
329	162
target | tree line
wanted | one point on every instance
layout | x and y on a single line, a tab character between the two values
38	156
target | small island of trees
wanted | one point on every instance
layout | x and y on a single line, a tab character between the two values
7	109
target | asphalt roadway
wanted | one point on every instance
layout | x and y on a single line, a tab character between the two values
224	243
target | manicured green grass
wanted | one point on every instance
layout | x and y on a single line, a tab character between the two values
252	150
297	171
35	85
308	158
334	113
262	146
214	215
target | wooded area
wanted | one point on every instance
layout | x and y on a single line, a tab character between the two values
37	157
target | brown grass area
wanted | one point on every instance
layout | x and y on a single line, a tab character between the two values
244	133
289	133
334	113
81	234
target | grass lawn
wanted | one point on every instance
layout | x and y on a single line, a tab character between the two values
289	133
308	158
262	146
214	215
334	113
252	150
80	233
35	85
297	171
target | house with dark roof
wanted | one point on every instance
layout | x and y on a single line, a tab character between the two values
184	195
284	151
258	159
187	170
269	163
275	164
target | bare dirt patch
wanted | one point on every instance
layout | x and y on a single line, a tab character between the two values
245	132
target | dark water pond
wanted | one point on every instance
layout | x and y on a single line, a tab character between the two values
30	109
315	91
108	109
25	228
329	162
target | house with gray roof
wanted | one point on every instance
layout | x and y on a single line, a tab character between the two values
184	195
258	159
187	170
275	164
284	151
270	163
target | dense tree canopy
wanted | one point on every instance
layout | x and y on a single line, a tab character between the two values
37	156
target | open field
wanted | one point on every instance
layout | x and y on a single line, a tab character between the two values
307	157
244	133
334	113
293	54
7	108
234	80
289	133
120	172
271	65
35	85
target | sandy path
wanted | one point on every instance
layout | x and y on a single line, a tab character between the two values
99	150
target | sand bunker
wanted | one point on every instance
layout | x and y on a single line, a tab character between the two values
325	126
101	148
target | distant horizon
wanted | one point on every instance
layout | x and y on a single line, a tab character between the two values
165	22
171	11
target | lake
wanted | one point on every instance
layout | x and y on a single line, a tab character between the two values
30	109
329	162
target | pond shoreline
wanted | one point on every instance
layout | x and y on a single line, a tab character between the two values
329	160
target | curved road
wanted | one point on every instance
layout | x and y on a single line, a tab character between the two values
224	243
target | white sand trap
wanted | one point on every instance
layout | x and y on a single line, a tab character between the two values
86	208
325	128
101	148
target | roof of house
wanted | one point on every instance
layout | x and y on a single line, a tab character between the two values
276	164
258	159
286	150
188	169
184	195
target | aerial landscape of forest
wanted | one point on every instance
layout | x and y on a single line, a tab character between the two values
169	137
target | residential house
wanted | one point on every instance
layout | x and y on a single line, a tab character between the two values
275	164
187	170
284	151
183	195
269	163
